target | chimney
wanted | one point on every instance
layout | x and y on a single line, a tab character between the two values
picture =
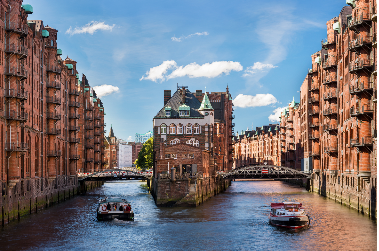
167	96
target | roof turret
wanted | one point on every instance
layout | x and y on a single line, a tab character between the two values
206	104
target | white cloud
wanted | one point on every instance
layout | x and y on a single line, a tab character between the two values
105	90
192	70
276	116
258	66
90	28
130	138
158	72
179	39
253	101
208	70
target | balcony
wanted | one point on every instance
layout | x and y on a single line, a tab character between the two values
331	149
53	131
74	157
53	153
98	125
329	63
16	71
330	79
314	137
73	92
53	115
97	141
97	162
232	125
330	95
97	117
53	84
74	140
16	147
89	160
19	94
74	104
326	43
330	127
232	117
360	20
360	87
88	127
16	49
89	108
313	112
73	128
97	133
330	112
358	65
314	154
313	100
22	29
361	142
13	115
363	111
88	137
53	100
53	69
314	125
74	116
359	42
315	87
89	118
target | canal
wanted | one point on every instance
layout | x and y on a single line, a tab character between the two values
234	220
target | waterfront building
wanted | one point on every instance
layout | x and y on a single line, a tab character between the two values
111	150
193	133
142	138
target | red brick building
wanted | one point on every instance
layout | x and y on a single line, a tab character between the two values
51	123
111	150
193	133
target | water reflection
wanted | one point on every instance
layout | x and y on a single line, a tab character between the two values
236	219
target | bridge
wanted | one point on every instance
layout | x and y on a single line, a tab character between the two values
115	174
265	172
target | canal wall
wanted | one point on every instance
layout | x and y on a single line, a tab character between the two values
186	191
349	191
30	195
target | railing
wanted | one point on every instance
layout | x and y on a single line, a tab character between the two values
53	68
88	117
16	49
331	149
314	125
330	95
359	64
73	92
97	125
54	153
53	84
88	127
97	133
89	160
314	136
74	157
74	104
53	100
12	93
73	128
314	87
53	131
88	137
314	111
74	116
329	79
360	87
362	141
330	127
329	63
16	71
330	111
74	140
53	115
13	115
364	109
314	100
89	108
89	146
14	27
16	146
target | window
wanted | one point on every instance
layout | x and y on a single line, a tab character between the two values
174	141
183	113
191	156
167	156
196	129
173	155
180	129
163	129
189	129
172	129
168	113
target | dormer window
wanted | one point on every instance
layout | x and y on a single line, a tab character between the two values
168	111
184	111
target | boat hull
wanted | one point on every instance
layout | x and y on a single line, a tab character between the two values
290	222
112	216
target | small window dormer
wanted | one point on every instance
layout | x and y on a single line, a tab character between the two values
184	111
168	111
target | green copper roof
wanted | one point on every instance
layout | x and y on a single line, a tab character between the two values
269	129
94	100
206	104
184	107
90	94
59	52
167	108
70	66
276	128
45	33
77	76
293	103
28	8
351	3
86	89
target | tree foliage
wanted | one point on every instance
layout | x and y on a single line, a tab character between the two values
145	156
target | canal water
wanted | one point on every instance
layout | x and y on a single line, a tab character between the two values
234	220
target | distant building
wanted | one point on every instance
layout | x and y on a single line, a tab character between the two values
142	138
125	154
111	149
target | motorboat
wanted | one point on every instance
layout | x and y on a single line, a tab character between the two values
114	208
288	215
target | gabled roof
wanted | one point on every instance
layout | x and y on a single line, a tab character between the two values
206	104
176	100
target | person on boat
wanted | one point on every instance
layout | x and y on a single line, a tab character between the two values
109	207
120	208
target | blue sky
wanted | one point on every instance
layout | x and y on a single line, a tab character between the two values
137	49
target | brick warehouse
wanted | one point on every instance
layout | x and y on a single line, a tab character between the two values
335	125
51	123
193	135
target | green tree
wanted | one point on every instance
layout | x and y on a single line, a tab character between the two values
145	156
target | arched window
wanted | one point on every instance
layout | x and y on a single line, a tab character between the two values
163	129
174	141
189	129
196	129
193	142
172	129
180	129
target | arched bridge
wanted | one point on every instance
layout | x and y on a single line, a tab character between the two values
265	172
115	174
